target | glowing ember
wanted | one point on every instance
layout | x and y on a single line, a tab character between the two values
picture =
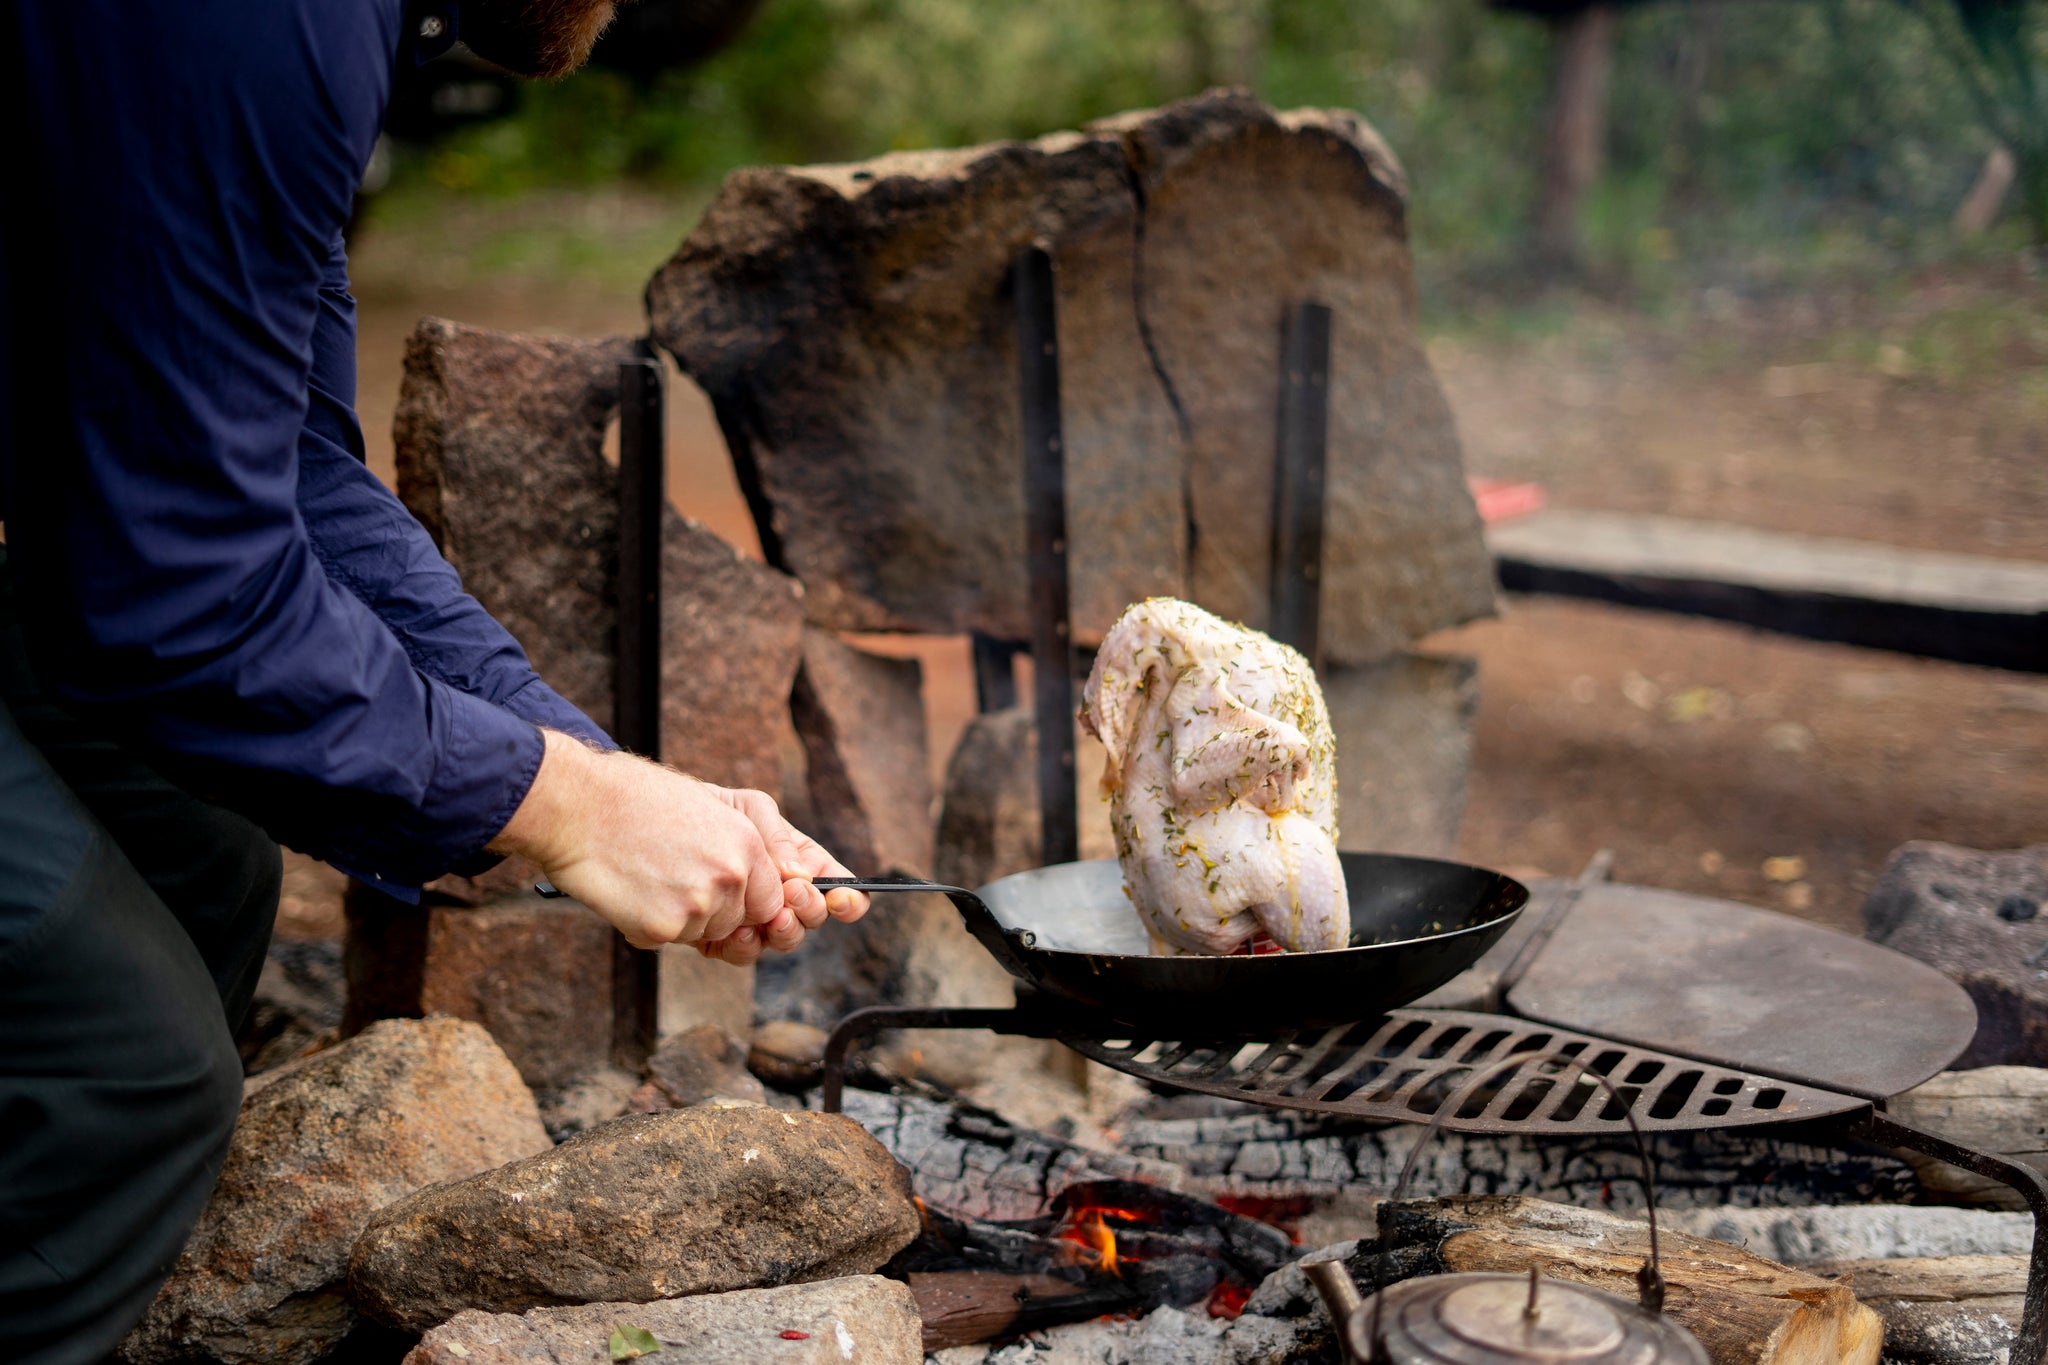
1228	1299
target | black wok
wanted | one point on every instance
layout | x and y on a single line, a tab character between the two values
1069	932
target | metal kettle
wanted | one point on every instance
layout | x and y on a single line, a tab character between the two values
1505	1319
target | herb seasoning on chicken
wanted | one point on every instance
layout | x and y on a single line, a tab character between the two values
1221	780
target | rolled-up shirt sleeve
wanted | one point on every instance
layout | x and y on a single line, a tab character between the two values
199	159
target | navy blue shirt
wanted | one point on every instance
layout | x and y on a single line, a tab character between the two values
205	564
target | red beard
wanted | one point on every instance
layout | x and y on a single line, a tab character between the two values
542	38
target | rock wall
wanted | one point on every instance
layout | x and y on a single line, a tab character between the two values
852	328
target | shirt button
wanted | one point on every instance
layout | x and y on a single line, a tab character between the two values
433	26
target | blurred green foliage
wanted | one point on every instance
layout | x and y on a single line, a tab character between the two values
1750	142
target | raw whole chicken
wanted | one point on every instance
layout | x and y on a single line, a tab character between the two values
1221	781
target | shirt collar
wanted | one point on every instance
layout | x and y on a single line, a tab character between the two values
432	27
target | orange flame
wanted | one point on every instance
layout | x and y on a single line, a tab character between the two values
1093	1232
1089	1228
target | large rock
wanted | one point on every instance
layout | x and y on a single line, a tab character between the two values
860	716
863	1319
1404	751
320	1147
1982	920
703	1063
536	973
853	328
649	1206
989	824
500	450
500	442
868	777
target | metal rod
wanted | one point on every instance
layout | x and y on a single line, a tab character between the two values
1298	468
1339	1292
636	680
861	1023
2031	1346
1045	515
995	673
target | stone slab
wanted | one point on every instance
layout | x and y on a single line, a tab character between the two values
861	718
1969	608
852	327
536	973
1404	751
500	442
862	1319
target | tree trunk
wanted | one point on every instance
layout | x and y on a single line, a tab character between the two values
2033	176
1575	133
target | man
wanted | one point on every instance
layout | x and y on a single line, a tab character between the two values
218	629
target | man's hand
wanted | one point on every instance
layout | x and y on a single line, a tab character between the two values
668	859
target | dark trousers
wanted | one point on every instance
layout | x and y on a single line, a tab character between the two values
133	923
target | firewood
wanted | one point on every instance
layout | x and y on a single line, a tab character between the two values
1744	1309
1276	1154
2000	1109
1953	1310
962	1307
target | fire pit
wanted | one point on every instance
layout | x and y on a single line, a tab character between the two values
1704	1016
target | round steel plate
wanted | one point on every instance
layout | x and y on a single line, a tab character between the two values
1747	988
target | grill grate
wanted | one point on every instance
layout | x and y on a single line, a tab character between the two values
1405	1065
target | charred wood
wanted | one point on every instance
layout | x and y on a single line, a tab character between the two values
1276	1154
975	1164
961	1307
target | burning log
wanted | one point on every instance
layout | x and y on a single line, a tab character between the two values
1744	1309
1103	1247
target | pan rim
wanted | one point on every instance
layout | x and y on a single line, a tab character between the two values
1518	893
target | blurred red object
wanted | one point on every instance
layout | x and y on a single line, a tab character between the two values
1503	499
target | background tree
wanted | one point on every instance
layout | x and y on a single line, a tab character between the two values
2000	50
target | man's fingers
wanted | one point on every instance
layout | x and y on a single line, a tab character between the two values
740	947
845	905
764	888
783	932
782	839
841	903
805	901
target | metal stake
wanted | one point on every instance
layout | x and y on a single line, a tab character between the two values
1045	513
1298	479
995	673
636	682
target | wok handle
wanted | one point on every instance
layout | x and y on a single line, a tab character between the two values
548	890
980	922
1004	945
889	883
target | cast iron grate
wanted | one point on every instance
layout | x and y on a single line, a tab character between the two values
1405	1065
